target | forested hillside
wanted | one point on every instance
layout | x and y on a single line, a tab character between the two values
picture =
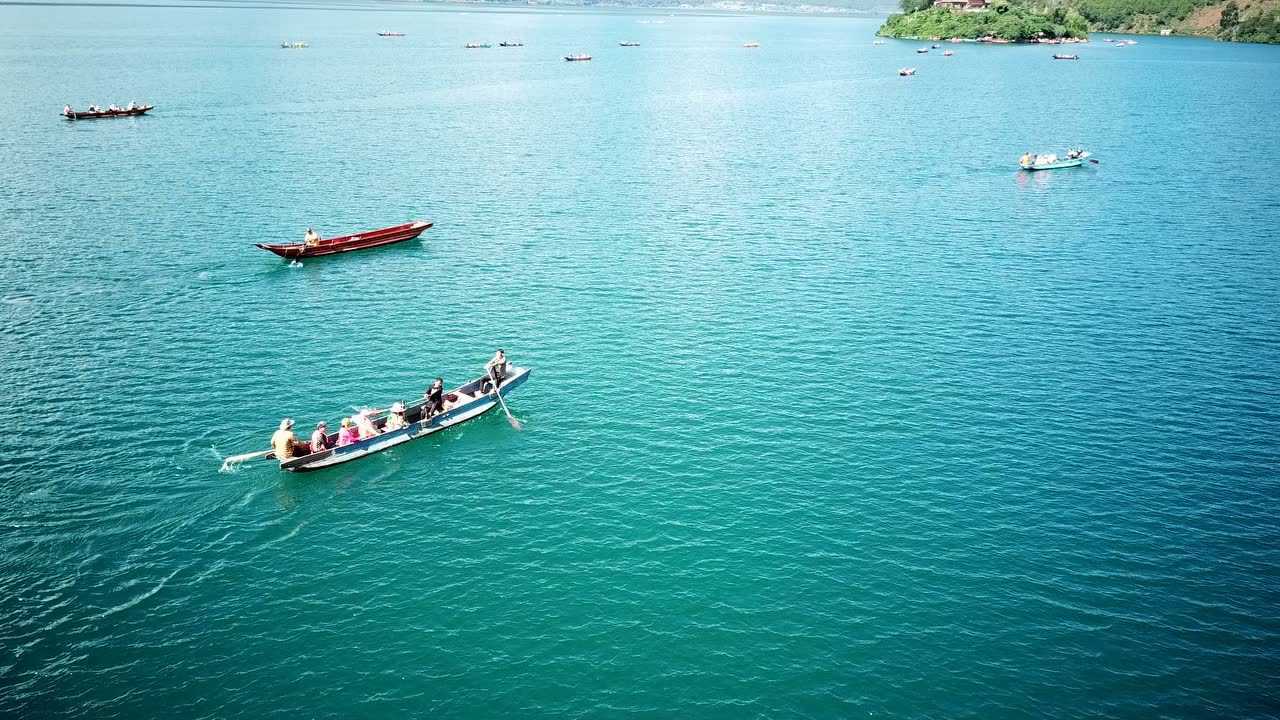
1238	20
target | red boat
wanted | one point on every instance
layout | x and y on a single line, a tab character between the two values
347	243
73	115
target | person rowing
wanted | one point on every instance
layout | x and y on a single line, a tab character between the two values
66	110
497	367
282	441
312	238
433	399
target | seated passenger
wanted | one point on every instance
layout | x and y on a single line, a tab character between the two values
395	420
282	441
311	238
66	110
365	425
319	441
348	434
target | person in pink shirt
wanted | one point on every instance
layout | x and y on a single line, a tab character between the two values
348	434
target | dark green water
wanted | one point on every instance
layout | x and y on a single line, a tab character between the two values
834	413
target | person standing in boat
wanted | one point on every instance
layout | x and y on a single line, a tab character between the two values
319	439
312	238
497	367
282	441
434	399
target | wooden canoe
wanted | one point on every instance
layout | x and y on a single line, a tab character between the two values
463	403
106	113
347	243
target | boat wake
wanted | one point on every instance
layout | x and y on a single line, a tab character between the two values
130	603
233	463
295	263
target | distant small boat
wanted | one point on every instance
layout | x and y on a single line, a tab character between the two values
877	42
391	33
577	58
347	243
1066	57
509	43
629	43
296	45
751	45
473	46
935	47
904	72
122	112
922	50
1074	158
948	53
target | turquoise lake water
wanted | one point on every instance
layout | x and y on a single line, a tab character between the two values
834	413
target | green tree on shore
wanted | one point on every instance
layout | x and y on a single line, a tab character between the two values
1230	18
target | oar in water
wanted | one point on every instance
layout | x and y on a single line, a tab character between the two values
1095	162
230	463
493	375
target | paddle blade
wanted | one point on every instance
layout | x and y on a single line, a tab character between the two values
515	423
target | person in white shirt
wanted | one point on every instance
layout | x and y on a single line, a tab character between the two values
497	367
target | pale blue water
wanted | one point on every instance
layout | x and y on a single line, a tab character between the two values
834	413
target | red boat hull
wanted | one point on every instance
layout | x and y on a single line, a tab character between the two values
347	243
106	113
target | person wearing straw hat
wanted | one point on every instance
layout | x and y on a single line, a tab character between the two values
319	438
395	420
282	441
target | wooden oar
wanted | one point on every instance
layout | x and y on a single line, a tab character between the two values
229	463
498	391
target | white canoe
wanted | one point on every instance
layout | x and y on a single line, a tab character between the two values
472	400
